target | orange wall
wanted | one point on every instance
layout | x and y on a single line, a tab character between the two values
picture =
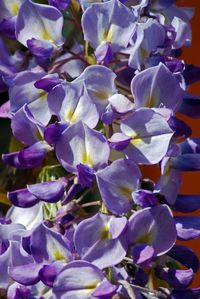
191	180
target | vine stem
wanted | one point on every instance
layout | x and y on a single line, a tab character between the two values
128	287
83	195
91	204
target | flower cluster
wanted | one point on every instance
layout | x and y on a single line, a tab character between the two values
94	89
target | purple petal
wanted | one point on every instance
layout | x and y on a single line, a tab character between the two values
77	280
49	191
48	82
191	145
143	254
187	203
22	89
11	257
99	89
22	198
180	128
17	291
26	274
72	191
144	198
28	217
186	294
60	4
5	110
169	184
117	227
42	22
104	54
105	290
71	148
162	4
176	278
85	175
156	87
119	141
148	37
98	19
42	50
49	273
188	227
121	104
145	227
7	27
46	244
12	159
116	191
24	119
150	136
33	155
94	242
185	256
71	103
186	162
53	132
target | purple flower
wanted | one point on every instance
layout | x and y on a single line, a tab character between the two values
99	89
28	157
41	22
22	91
149	36
49	252
80	279
79	144
48	191
101	240
70	103
146	228
116	183
149	136
157	87
101	23
176	278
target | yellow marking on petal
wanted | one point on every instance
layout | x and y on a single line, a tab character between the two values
151	102
71	116
108	34
86	159
135	139
44	292
58	256
101	95
167	174
46	35
126	191
90	287
43	95
144	53
38	135
14	9
145	239
105	233
73	119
